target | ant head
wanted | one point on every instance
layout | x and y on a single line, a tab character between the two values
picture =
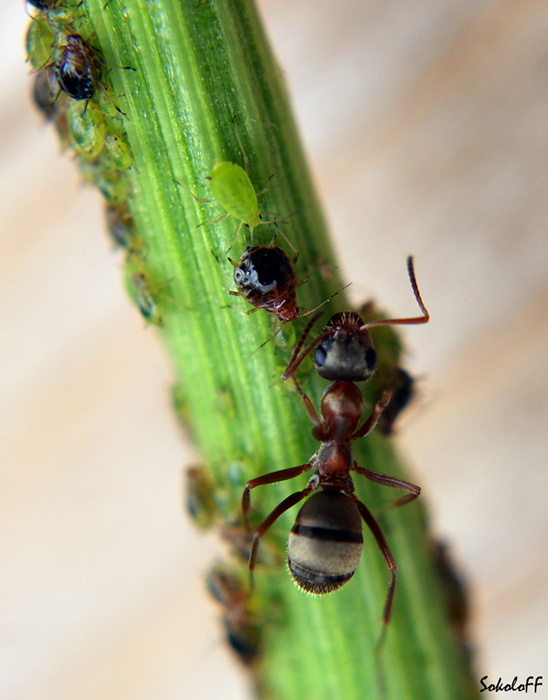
326	542
345	350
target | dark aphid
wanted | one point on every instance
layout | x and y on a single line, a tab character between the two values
43	4
77	68
326	542
144	300
265	277
198	497
454	590
402	390
45	92
119	225
242	632
345	349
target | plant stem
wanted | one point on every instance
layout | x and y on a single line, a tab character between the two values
197	66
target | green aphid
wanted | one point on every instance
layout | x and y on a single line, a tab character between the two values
86	129
232	189
40	41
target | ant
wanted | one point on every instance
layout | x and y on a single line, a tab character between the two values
326	542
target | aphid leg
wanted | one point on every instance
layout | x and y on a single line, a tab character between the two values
271	478
199	199
266	189
286	239
385	480
241	223
267	522
373	419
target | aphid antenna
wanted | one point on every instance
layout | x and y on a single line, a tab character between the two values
307	313
239	140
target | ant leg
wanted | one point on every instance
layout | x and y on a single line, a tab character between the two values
279	510
385	480
373	419
377	533
271	478
312	413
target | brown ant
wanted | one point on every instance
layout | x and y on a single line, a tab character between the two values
345	347
326	542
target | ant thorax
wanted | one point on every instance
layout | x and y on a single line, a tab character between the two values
266	278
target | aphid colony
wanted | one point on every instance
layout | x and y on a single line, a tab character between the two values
72	90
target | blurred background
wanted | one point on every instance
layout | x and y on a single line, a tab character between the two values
426	123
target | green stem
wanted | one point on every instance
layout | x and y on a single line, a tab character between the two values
198	66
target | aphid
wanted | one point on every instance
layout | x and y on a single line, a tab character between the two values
326	542
77	68
345	348
143	298
199	500
454	590
231	187
265	277
42	4
402	390
242	632
40	41
119	225
86	129
45	92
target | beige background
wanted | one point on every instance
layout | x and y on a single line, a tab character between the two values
427	127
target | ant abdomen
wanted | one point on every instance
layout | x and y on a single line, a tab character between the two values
326	542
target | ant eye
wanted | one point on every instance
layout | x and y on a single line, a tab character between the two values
371	358
320	356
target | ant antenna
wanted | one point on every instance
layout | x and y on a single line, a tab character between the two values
307	329
405	321
296	359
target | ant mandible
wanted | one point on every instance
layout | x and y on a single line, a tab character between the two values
326	542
